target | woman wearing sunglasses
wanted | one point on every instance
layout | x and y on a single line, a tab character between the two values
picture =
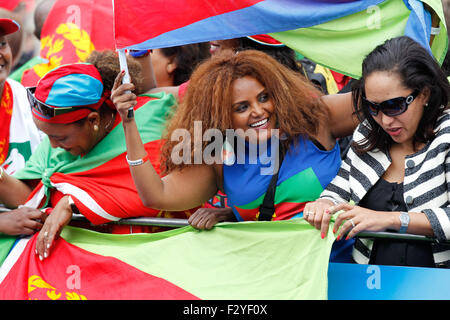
396	175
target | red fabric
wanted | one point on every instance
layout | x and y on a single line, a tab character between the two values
265	39
341	79
72	30
130	19
92	277
182	90
9	5
6	109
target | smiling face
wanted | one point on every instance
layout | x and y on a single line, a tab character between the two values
5	59
381	86
252	107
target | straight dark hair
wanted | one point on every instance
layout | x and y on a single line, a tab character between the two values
418	71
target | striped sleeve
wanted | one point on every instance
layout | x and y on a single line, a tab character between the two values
440	217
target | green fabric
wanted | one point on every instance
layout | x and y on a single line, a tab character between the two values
342	44
6	243
293	190
246	260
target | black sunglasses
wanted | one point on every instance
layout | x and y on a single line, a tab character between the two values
392	107
48	111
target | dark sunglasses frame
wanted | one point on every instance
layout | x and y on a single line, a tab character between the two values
48	111
392	107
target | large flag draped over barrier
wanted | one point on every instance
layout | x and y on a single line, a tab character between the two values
337	34
248	260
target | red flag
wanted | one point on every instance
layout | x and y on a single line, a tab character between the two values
73	29
59	277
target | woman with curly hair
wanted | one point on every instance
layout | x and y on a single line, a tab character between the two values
261	102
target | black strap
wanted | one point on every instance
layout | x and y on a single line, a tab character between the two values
267	208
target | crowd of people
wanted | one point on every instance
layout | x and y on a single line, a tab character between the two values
269	142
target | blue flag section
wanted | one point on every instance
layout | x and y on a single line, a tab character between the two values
373	282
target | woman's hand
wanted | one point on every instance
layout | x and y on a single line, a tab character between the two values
355	219
317	213
122	96
206	218
58	218
23	220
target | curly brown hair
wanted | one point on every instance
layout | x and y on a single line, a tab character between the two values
208	99
107	63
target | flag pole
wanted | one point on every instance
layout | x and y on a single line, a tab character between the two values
126	77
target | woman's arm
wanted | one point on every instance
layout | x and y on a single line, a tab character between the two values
363	219
179	190
13	192
342	121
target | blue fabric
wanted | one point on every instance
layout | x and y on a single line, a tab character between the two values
263	17
77	90
246	182
418	26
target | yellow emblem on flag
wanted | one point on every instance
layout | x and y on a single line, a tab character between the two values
36	282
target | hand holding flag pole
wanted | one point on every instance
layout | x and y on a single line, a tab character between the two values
126	77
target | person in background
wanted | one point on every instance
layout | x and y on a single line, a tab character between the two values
169	67
19	136
397	171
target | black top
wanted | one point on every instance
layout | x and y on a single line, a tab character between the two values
388	196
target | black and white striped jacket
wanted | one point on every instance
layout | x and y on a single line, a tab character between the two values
426	185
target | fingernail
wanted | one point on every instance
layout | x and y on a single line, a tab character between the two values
48	245
338	237
322	235
347	237
45	254
327	211
36	251
40	258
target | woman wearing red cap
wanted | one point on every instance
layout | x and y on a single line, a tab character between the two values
81	166
19	136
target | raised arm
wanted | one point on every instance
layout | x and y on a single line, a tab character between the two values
179	190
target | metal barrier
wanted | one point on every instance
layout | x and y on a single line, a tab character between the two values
144	221
178	223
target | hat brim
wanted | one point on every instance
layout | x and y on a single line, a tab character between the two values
8	26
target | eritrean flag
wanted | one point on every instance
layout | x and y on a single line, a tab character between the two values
334	33
72	30
249	260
